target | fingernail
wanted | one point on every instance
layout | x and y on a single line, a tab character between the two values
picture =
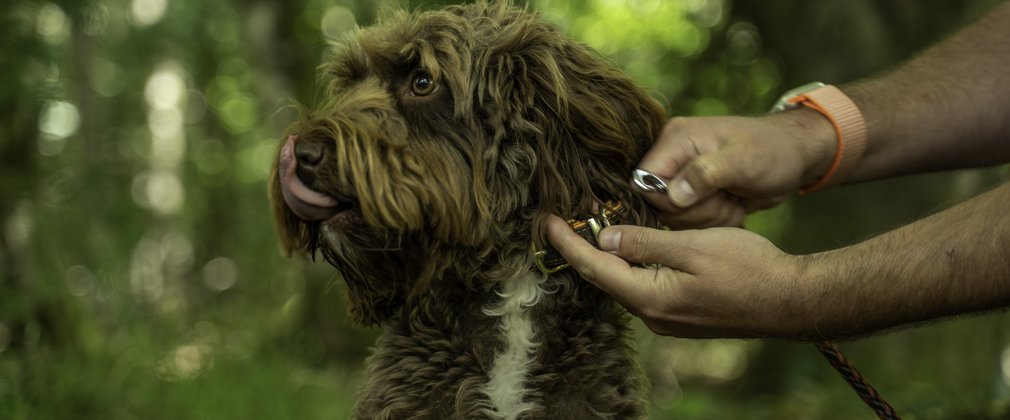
610	240
682	194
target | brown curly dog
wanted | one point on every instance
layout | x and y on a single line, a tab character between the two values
446	139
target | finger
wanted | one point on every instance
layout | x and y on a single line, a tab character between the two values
700	178
671	151
607	271
589	261
658	200
716	210
650	246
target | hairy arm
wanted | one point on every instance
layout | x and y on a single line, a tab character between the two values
954	262
947	108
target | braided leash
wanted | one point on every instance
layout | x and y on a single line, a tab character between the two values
856	381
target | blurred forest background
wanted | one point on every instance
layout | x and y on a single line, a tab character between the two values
139	274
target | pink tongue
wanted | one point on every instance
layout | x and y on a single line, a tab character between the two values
308	204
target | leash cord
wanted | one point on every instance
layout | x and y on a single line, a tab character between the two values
856	381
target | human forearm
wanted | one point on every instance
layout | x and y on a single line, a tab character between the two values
948	108
956	261
945	109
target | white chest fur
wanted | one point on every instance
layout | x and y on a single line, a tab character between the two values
506	386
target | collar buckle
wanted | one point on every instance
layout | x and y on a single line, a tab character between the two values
550	261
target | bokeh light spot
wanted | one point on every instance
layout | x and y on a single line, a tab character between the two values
765	77
186	362
18	226
52	24
79	281
220	274
161	191
255	161
165	192
165	88
238	113
176	253
58	120
107	78
147	12
165	93
744	43
706	12
196	107
165	124
167	142
146	277
336	22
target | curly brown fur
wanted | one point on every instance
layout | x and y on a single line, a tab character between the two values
445	192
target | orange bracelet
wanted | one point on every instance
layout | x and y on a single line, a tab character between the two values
850	128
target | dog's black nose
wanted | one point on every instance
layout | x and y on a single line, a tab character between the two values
309	155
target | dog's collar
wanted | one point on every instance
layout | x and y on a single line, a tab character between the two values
550	261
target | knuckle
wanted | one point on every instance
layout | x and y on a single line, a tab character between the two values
655	321
674	127
676	123
708	171
586	271
636	245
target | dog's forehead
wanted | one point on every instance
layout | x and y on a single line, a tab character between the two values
402	42
447	38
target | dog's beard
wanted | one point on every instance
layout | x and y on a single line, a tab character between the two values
372	263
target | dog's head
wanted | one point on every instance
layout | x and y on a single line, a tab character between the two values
446	139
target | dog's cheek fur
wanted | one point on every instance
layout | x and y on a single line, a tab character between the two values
587	121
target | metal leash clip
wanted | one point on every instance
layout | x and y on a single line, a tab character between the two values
648	182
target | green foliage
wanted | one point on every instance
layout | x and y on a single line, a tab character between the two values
139	275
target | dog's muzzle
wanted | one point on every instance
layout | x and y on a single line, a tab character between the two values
308	204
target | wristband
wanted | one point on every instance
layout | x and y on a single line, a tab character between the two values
850	128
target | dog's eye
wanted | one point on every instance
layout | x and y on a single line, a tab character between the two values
422	85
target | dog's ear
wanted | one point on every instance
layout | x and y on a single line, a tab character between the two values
589	122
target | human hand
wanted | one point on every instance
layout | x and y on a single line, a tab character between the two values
718	282
721	168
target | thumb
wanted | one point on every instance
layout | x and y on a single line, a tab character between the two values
647	245
628	285
701	178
